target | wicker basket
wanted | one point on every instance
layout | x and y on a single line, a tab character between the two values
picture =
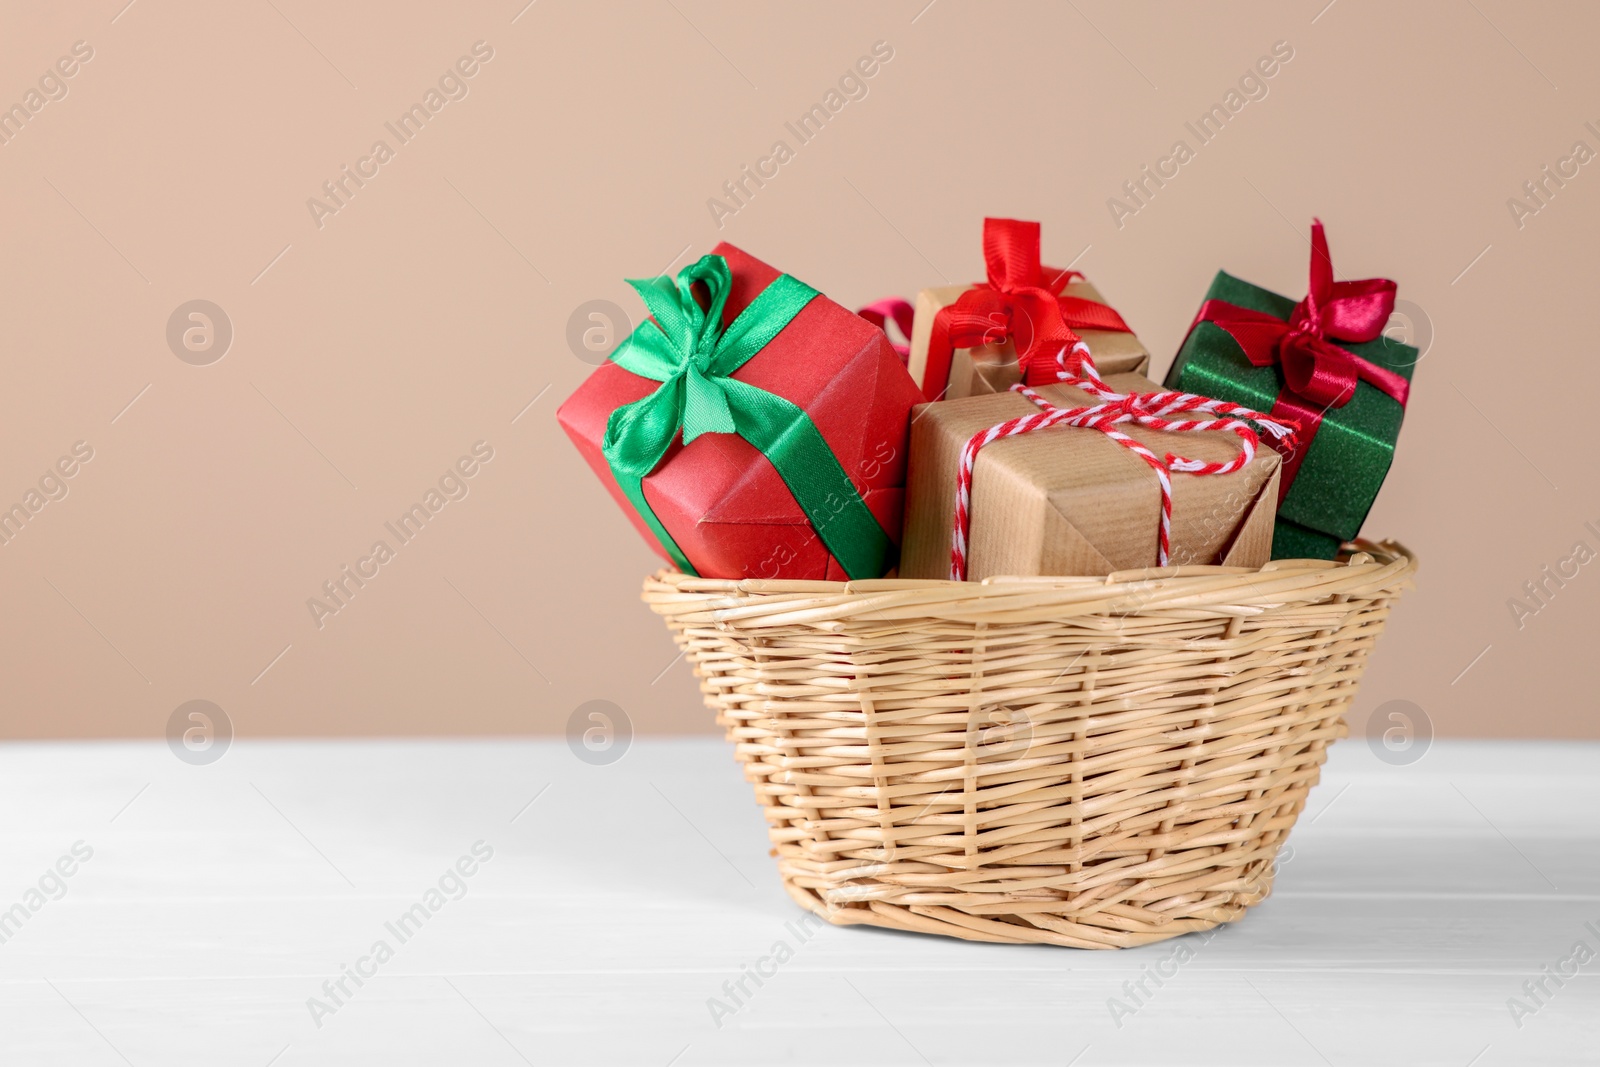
1092	762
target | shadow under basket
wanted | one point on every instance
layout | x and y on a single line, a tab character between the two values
1090	762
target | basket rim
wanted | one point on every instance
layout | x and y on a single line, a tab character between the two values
1370	569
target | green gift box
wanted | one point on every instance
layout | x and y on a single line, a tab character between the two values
1322	361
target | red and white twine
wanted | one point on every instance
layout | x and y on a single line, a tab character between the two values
1143	409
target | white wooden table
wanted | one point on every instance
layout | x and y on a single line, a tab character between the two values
219	899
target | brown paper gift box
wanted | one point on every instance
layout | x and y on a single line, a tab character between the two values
1071	501
993	368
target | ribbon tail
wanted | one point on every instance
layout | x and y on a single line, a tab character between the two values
1257	332
783	433
1321	286
637	436
1293	449
936	371
1081	314
1259	340
1387	381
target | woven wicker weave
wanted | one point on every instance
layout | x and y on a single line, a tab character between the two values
1093	762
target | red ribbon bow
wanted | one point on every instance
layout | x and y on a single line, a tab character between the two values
1318	374
1020	302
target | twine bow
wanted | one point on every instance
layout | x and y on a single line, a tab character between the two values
1021	301
686	348
1143	409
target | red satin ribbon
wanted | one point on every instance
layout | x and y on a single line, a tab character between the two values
1318	374
896	310
1021	302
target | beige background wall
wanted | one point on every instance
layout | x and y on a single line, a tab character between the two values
374	346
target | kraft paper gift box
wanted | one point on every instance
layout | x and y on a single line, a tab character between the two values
752	428
1011	310
1071	501
1349	430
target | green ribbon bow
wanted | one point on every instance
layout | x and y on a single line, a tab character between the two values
687	350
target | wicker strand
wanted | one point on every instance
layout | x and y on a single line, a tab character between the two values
1171	721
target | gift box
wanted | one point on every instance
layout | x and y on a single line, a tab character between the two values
1322	362
1071	500
752	428
968	340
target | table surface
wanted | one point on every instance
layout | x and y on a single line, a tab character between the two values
610	912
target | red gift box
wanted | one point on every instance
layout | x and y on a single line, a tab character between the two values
719	498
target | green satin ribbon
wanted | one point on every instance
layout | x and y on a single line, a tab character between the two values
687	350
